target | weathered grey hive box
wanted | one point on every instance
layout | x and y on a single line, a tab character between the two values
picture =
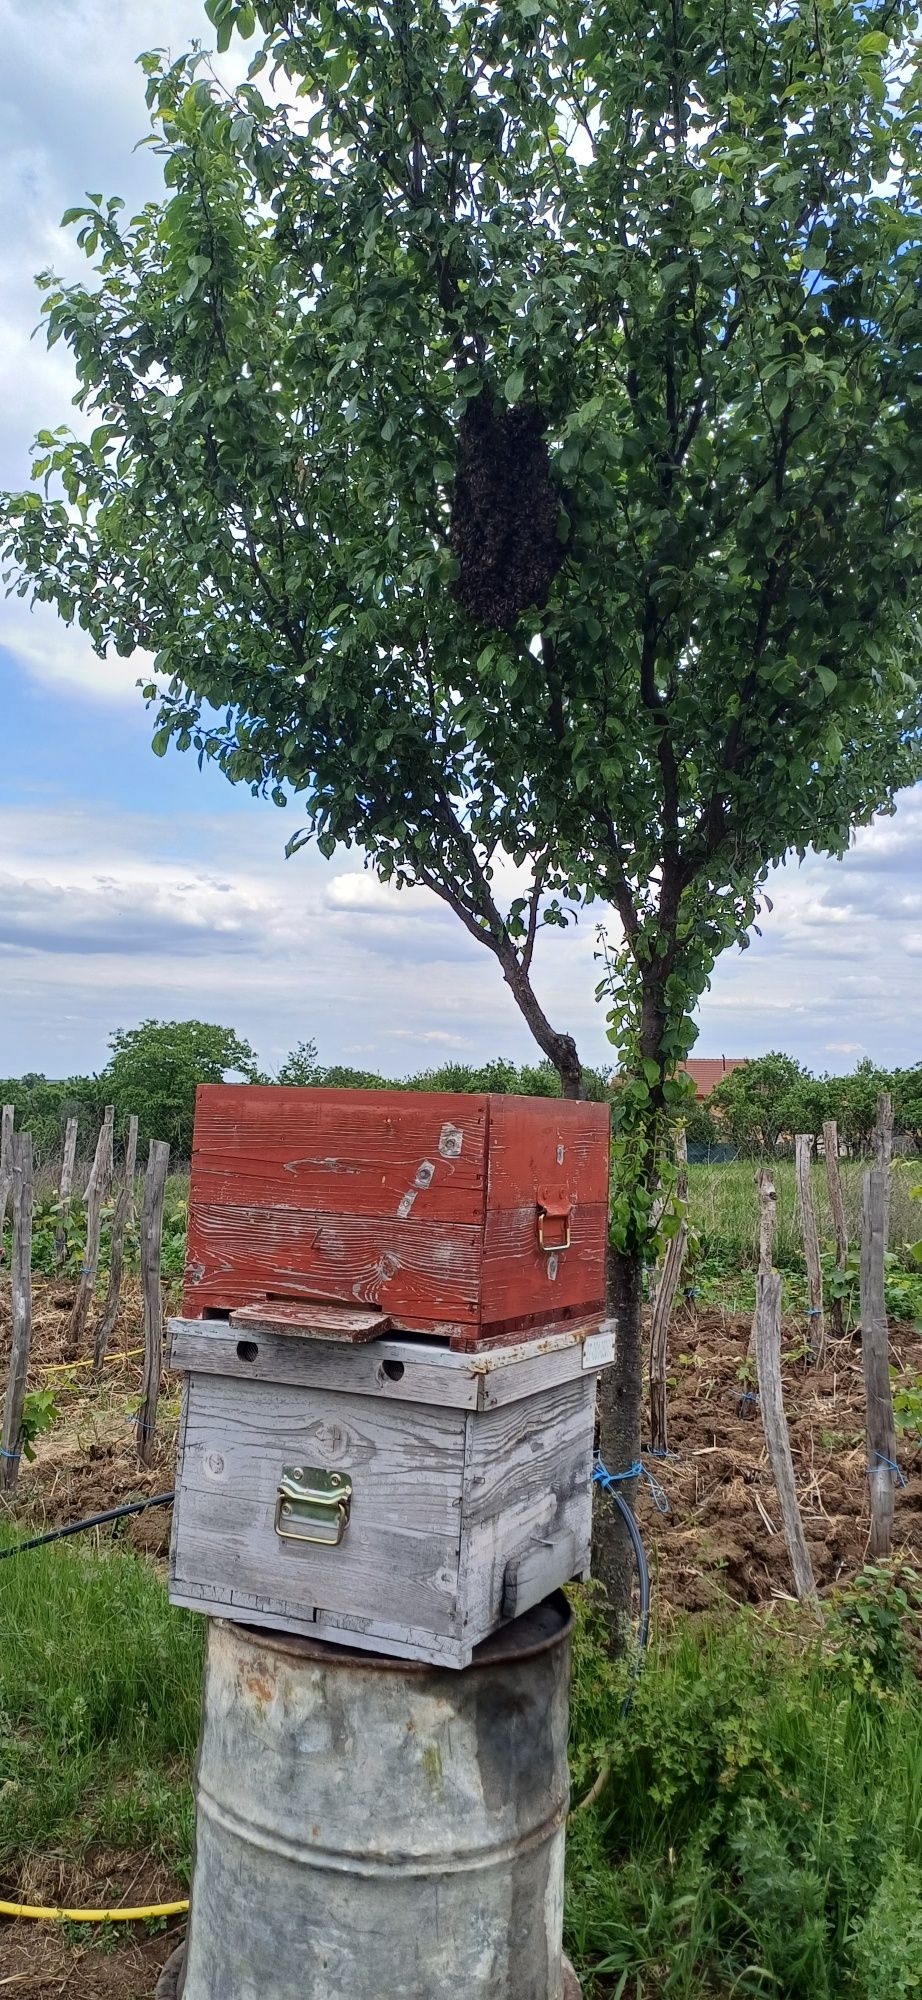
399	1495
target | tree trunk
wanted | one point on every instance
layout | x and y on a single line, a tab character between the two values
620	1403
670	1273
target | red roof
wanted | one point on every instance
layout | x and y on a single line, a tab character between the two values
708	1071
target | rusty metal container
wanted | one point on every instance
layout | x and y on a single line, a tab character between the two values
372	1829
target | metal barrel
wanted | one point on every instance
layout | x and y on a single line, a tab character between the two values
373	1829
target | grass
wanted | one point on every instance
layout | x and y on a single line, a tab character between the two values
723	1212
760	1833
99	1707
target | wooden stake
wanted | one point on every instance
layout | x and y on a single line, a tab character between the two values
151	1232
106	1326
771	1400
837	1204
21	1299
768	1222
97	1188
883	1130
662	1308
7	1121
66	1188
803	1145
875	1357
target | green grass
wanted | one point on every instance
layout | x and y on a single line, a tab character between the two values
99	1705
723	1212
760	1833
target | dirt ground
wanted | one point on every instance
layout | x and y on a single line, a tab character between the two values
720	1536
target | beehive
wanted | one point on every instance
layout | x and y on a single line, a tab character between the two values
472	1218
399	1496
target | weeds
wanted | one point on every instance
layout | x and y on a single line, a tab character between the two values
761	1832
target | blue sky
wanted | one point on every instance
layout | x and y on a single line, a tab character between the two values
132	886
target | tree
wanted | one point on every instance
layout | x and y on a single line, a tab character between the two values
753	1102
154	1070
508	444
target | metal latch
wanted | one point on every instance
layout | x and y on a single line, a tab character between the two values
313	1505
555	1209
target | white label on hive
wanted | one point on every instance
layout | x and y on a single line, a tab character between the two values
598	1349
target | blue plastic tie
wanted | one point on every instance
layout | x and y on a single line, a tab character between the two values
9	1454
749	1396
692	1292
602	1477
813	1312
900	1474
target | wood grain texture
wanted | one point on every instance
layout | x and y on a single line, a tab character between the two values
66	1188
211	1346
803	1145
7	1123
875	1357
21	1174
837	1205
400	1199
771	1403
97	1188
238	1256
369	1635
378	1153
518	1277
400	1552
108	1317
345	1324
158	1166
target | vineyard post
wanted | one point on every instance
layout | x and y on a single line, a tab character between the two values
97	1188
774	1421
151	1233
106	1325
837	1204
803	1147
768	1220
7	1120
66	1189
875	1358
662	1307
21	1302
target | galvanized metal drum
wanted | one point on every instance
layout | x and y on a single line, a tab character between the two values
373	1829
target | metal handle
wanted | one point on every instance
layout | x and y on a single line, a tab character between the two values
313	1505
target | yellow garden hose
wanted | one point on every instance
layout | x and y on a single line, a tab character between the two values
41	1915
110	1361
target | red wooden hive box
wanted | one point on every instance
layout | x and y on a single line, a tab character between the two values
472	1218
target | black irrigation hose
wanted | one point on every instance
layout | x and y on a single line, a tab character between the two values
643	1570
93	1521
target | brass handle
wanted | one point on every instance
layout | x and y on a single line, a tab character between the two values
313	1505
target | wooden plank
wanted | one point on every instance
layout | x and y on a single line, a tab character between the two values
106	1327
21	1168
97	1188
392	1369
370	1635
158	1166
539	1141
771	1402
239	1256
376	1153
518	1277
543	1365
307	1322
803	1145
66	1188
875	1358
7	1124
400	1551
837	1205
524	1450
530	1577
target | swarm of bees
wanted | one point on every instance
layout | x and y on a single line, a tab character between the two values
505	512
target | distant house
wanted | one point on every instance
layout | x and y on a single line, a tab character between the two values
708	1071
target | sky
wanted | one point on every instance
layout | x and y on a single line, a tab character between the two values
132	886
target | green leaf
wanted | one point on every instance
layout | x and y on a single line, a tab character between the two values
514	385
